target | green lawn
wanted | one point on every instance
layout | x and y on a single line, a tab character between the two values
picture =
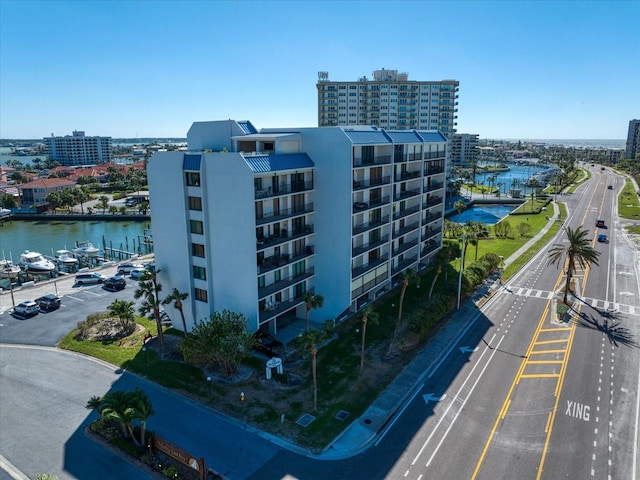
628	205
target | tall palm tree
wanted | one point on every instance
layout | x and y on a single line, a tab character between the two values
406	277
577	250
142	410
308	342
476	231
176	296
368	316
311	301
440	260
115	406
149	290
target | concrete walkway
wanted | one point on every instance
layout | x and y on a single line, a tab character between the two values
364	431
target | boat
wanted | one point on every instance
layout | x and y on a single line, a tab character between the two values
36	262
86	249
8	269
66	258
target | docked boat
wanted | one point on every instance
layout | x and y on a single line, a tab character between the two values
65	257
8	269
36	262
86	249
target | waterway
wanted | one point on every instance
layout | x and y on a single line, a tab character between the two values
46	237
514	178
489	214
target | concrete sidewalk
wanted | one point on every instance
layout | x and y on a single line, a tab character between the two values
365	430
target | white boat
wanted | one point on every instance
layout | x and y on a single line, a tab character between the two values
36	262
86	249
66	257
8	269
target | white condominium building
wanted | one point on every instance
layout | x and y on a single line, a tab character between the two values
390	100
463	148
250	220
633	140
77	149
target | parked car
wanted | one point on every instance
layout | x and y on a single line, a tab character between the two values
267	344
126	267
151	266
610	187
602	238
114	284
136	273
27	309
89	278
49	302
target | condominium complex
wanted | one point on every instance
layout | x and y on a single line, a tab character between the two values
389	100
250	220
633	140
77	149
463	148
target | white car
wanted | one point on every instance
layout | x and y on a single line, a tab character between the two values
27	309
136	273
89	278
124	268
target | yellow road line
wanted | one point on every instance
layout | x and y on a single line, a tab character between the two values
556	340
540	375
540	352
543	362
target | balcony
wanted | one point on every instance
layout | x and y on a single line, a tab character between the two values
406	212
429	247
404	247
365	226
359	250
432	155
374	182
369	285
283	189
284	237
431	232
430	218
277	261
406	229
362	206
377	160
403	195
432	202
403	264
283	213
284	283
433	186
407	157
356	272
278	308
407	175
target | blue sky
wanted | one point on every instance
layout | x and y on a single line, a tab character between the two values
538	69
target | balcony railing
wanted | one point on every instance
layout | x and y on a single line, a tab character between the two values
356	272
430	247
433	170
431	232
433	202
406	212
365	226
285	282
404	247
283	213
369	285
362	206
266	242
284	189
375	182
364	248
430	218
407	157
403	264
406	229
278	308
377	160
433	186
402	195
277	261
407	175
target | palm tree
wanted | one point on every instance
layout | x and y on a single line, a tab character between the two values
368	316
308	342
405	278
440	260
177	297
578	250
460	206
311	301
103	201
149	290
475	231
142	410
115	406
123	310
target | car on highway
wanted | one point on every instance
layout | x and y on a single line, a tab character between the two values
48	303
610	187
600	223
114	284
267	344
602	238
28	308
136	273
126	267
89	278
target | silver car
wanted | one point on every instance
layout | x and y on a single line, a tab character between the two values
27	309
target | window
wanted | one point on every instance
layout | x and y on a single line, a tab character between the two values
200	294
193	179
195	203
199	272
196	226
197	250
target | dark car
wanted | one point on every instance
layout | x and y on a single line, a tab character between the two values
114	284
602	238
610	187
267	344
49	302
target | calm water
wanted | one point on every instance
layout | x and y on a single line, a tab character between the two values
489	214
47	237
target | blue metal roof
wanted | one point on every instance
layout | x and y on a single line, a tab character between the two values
247	127
432	135
262	163
378	136
191	161
404	136
367	136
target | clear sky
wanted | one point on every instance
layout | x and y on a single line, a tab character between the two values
527	69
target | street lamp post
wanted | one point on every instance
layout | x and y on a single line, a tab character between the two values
461	266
